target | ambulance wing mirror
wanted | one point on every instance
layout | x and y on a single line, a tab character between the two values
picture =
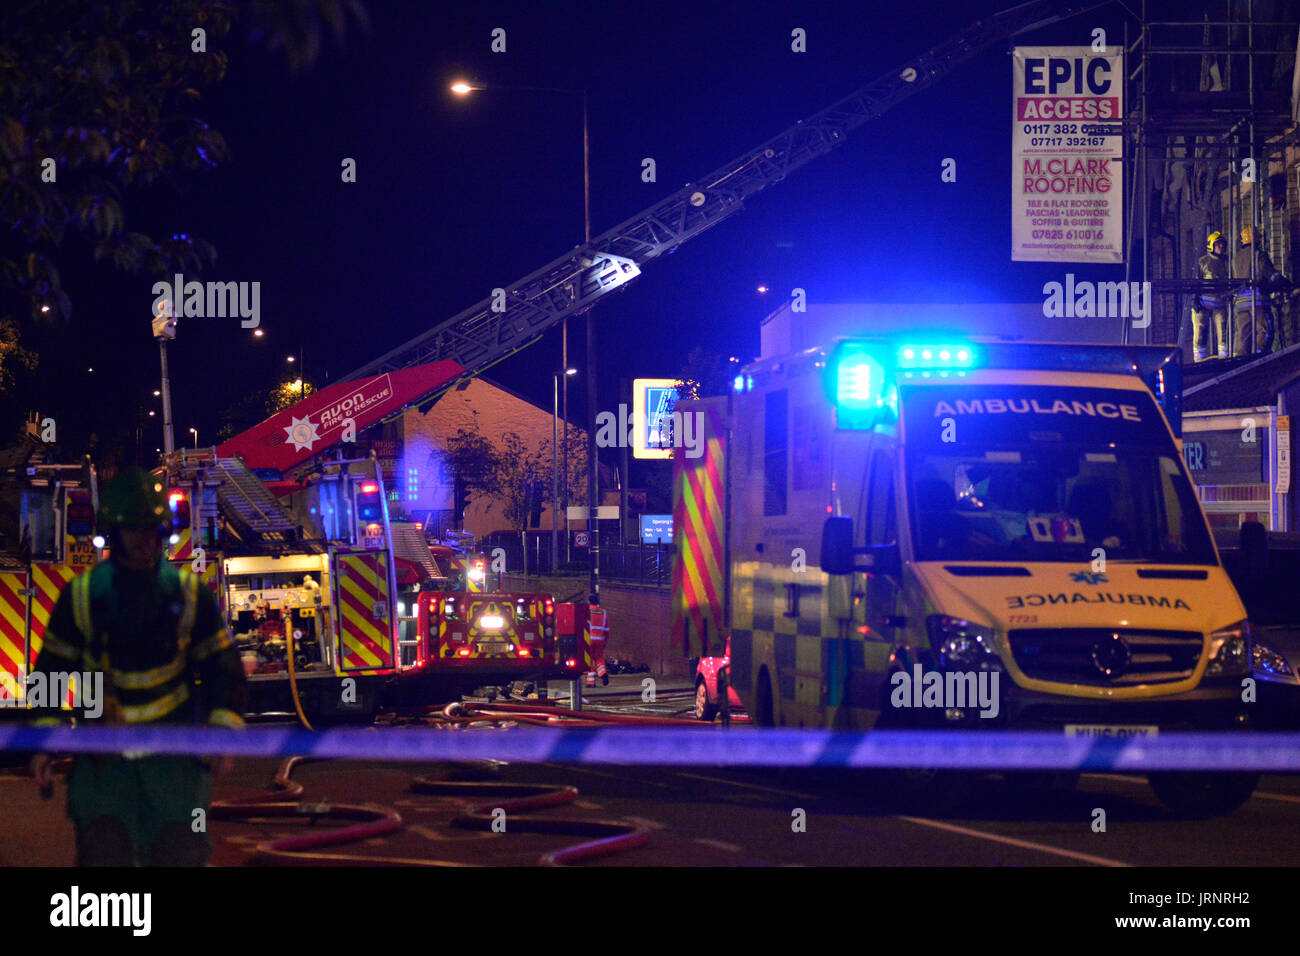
838	554
837	546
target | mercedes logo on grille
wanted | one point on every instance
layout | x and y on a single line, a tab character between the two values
1111	656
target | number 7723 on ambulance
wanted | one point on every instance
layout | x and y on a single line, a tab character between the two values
946	533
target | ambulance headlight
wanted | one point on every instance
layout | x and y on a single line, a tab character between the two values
1270	664
1230	651
961	644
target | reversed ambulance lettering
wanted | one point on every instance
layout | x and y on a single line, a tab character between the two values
1096	597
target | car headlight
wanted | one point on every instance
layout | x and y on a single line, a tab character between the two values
1230	651
1266	662
961	644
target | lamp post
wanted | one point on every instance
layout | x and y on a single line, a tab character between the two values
555	471
164	330
195	433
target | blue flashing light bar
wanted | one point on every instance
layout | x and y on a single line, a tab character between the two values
934	356
863	372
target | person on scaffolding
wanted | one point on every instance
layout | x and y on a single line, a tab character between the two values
1250	305
156	638
1211	304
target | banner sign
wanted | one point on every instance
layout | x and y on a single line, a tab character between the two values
1067	179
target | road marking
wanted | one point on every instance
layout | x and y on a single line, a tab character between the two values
645	824
614	776
1281	797
1013	841
1258	794
748	786
449	837
1115	776
718	845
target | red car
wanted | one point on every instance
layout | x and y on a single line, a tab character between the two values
706	686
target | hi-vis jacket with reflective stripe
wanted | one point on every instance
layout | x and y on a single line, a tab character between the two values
157	637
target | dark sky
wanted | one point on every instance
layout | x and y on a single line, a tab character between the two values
457	196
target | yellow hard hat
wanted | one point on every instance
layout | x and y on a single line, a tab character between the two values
1212	238
1247	234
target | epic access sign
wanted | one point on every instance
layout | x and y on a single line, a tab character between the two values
334	414
1067	175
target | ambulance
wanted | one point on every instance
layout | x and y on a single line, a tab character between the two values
940	532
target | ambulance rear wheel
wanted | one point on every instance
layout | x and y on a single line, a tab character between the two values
1201	795
703	709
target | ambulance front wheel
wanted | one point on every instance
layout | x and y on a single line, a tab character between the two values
1201	795
704	710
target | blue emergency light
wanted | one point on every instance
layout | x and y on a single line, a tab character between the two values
865	375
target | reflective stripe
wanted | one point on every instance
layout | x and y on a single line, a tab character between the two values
223	717
159	708
206	648
81	605
190	583
60	648
143	680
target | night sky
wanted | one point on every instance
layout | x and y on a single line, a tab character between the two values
456	196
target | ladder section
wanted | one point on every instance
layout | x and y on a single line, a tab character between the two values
249	504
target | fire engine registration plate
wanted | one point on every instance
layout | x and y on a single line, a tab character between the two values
1110	730
493	648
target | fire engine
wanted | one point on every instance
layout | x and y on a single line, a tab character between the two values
338	607
47	515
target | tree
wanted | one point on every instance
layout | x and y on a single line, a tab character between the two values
705	374
472	461
100	100
288	393
512	473
259	404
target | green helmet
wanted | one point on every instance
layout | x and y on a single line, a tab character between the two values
133	499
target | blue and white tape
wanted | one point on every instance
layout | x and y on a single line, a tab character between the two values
987	750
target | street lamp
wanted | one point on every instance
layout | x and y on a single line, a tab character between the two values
195	433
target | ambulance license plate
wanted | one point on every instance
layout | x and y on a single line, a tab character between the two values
1110	730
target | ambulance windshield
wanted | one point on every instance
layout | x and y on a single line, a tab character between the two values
1034	473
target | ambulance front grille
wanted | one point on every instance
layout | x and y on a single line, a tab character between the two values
1082	655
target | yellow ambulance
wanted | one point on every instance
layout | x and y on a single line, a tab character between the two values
947	533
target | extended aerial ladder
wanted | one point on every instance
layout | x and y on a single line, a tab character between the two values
469	343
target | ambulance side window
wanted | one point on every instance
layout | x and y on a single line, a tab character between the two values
882	517
776	431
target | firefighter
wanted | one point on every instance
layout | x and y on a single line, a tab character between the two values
1251	303
156	636
1213	265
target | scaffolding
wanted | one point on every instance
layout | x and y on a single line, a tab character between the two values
1212	146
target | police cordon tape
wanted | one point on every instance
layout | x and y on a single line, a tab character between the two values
785	747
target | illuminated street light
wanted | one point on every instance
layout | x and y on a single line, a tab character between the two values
461	88
258	333
763	290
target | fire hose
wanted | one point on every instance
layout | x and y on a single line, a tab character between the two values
371	821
